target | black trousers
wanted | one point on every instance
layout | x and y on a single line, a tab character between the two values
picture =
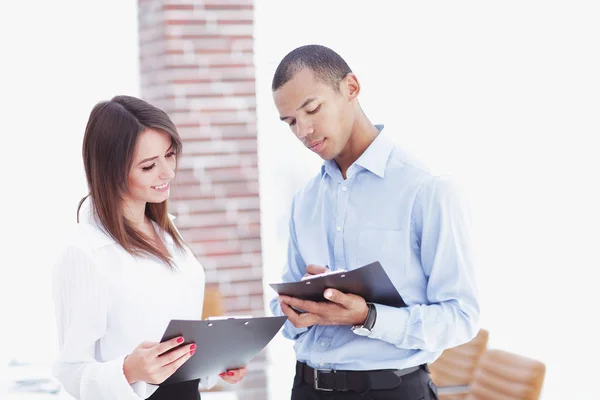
415	386
178	391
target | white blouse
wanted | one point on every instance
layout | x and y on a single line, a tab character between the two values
108	302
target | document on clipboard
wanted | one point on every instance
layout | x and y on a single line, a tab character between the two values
370	282
223	343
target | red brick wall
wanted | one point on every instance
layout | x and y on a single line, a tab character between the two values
196	62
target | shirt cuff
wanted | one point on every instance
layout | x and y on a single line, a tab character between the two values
390	324
289	331
208	382
293	333
118	385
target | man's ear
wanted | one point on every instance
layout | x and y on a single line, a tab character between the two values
352	86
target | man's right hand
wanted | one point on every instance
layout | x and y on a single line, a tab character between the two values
312	270
153	363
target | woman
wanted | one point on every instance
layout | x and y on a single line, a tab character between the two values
126	271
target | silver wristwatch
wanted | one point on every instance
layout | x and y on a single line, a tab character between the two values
365	329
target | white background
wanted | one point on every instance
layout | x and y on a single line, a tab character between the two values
58	59
503	95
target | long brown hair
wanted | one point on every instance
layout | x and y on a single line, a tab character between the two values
108	148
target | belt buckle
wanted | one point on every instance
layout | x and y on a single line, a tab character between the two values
316	373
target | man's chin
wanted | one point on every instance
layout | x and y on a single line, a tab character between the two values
326	154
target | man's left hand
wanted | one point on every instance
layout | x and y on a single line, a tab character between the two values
341	309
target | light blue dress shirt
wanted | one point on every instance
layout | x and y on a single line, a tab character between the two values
392	210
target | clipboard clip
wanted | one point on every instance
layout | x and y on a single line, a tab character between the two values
223	317
336	272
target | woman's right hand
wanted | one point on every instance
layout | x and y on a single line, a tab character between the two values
149	363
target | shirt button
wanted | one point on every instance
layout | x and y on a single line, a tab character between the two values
339	228
344	188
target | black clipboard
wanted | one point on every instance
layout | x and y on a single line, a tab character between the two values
223	344
369	282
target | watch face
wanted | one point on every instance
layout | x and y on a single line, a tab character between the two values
360	331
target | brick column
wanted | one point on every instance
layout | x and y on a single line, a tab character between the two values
196	61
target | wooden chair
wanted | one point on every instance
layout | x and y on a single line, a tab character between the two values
453	371
213	302
501	375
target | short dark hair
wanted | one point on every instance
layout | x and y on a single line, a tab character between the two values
326	65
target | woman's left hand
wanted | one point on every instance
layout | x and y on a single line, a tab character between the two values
234	375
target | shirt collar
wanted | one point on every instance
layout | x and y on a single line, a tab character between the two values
374	158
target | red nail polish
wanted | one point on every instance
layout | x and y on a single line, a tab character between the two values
222	374
193	347
179	340
230	373
192	352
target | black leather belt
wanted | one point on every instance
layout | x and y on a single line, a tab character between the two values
357	381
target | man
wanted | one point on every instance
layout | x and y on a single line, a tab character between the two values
369	202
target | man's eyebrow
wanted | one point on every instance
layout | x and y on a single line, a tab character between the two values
308	101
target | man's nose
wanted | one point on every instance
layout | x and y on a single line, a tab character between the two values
303	129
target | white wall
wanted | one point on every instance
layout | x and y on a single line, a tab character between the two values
504	95
58	59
